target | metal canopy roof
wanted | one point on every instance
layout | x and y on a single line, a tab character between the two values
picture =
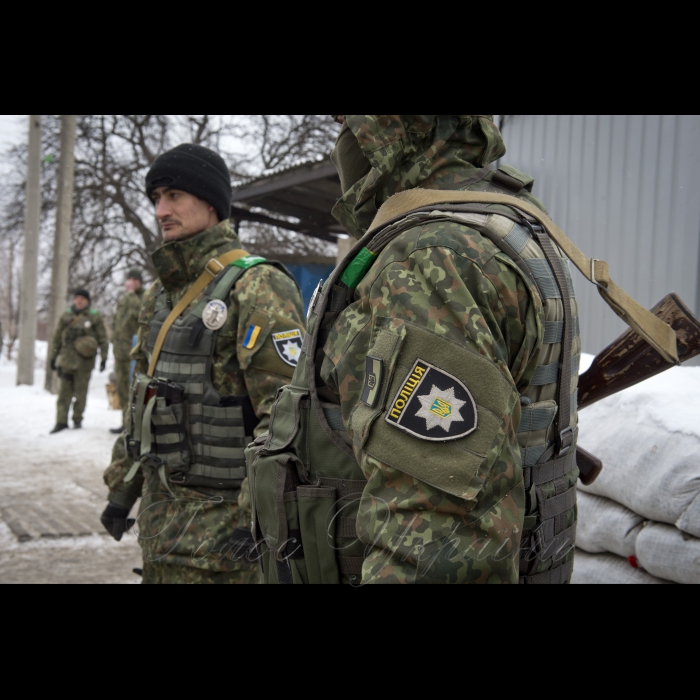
306	192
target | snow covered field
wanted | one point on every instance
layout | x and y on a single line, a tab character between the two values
51	487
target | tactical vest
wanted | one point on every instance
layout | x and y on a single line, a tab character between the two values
305	481
178	423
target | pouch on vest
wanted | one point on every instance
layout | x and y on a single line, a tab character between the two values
303	522
86	346
179	424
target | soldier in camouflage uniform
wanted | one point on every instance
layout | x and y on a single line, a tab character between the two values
442	344
126	321
186	523
79	334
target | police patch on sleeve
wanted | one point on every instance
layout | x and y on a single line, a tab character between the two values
288	346
433	405
215	314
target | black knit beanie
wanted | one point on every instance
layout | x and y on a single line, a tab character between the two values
197	170
82	293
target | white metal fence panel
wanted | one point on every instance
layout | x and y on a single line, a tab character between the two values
625	188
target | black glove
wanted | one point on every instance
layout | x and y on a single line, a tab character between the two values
115	521
53	364
103	364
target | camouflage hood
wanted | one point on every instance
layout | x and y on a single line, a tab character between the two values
439	152
180	263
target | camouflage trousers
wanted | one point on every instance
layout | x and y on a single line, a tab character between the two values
74	384
169	574
122	369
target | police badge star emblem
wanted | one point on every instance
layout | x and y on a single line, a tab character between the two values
288	346
215	314
433	405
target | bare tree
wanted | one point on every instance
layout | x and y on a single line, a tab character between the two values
113	226
283	140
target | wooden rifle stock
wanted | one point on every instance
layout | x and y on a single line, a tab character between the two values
630	360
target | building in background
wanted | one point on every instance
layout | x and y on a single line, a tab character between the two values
624	188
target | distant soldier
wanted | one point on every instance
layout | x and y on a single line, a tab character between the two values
126	326
80	333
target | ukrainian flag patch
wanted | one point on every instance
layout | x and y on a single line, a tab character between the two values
251	336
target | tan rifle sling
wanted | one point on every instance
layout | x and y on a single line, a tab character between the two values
657	333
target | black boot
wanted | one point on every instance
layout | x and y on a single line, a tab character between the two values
117	431
59	427
77	425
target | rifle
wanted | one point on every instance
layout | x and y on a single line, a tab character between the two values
630	360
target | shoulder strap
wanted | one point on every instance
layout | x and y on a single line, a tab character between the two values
211	270
657	333
76	319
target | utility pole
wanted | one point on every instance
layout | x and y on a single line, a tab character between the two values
32	219
61	243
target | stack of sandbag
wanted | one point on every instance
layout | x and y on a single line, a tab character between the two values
639	522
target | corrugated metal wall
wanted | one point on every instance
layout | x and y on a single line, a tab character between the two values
624	188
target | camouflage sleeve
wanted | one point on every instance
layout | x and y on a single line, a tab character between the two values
101	335
270	330
120	493
145	313
57	339
444	501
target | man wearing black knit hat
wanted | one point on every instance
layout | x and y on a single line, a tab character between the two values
79	334
220	332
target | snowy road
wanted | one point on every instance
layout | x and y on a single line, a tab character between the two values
51	490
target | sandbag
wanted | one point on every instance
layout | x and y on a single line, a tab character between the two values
648	438
606	526
668	553
607	568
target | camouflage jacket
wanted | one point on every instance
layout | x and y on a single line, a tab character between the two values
126	323
191	527
449	292
71	326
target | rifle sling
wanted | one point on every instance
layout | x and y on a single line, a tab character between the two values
211	270
657	333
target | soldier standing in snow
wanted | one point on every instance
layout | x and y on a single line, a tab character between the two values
79	334
209	364
126	323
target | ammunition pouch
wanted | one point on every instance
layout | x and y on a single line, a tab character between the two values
86	346
305	496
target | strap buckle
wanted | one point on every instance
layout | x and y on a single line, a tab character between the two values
566	440
219	267
593	279
150	460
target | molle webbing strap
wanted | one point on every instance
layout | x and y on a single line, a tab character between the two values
657	333
211	270
554	576
564	432
350	566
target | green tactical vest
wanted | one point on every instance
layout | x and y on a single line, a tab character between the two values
199	440
305	481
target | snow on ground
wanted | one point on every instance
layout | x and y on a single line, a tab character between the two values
52	474
48	478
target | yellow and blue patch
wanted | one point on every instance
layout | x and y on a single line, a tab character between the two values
251	336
